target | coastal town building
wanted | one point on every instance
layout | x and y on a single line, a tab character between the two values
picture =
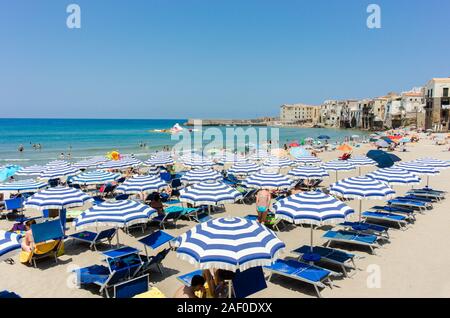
330	113
297	114
437	104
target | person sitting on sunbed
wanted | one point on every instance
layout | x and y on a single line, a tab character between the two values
27	241
157	204
197	285
218	283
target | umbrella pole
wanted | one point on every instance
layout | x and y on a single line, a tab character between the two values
360	209
428	180
312	238
117	236
359	168
336	175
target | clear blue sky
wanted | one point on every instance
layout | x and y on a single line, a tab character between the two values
211	58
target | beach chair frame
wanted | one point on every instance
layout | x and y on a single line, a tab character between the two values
371	246
96	240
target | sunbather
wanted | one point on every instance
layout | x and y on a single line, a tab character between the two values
27	241
263	199
197	284
157	204
218	283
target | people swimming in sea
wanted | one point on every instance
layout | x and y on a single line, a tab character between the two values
61	156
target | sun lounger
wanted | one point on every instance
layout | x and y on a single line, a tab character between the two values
249	197
94	238
328	255
154	241
352	238
132	287
416	198
400	220
367	228
303	272
413	204
410	213
167	218
187	278
427	194
13	208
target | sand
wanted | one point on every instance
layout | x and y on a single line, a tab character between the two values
414	264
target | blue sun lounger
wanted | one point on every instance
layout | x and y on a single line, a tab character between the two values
400	220
331	256
367	228
303	272
154	241
413	204
170	216
122	264
94	238
409	213
360	239
132	287
427	194
416	198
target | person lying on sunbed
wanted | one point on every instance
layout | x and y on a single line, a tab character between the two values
197	285
27	241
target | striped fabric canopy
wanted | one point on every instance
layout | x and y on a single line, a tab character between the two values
229	243
23	186
153	171
244	169
209	193
57	163
417	168
307	160
197	162
394	176
9	244
278	163
201	175
315	207
124	163
361	161
90	163
260	155
56	172
228	158
268	180
95	177
308	173
58	198
31	171
433	163
159	161
361	188
338	165
142	184
122	213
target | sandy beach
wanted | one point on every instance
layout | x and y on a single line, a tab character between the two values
413	264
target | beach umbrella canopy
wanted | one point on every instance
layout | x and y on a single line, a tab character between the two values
159	161
95	177
433	163
30	171
278	152
209	193
8	171
57	172
57	163
382	144
122	213
308	173
338	165
153	171
387	140
298	152
201	175
244	169
362	161
230	159
58	198
268	180
394	176
23	186
260	155
384	159
197	162
361	188
278	163
294	144
418	168
90	163
323	137
314	208
307	160
124	163
9	244
229	243
344	148
405	140
142	184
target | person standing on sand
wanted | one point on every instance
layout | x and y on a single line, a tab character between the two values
263	199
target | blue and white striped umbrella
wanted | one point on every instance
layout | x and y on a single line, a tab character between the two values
23	186
153	171
394	176
417	168
361	188
244	169
268	180
159	161
362	161
201	175
57	172
308	173
198	162
142	184
230	159
260	155
433	163
278	163
315	208
31	171
95	177
58	198
124	163
209	193
307	160
9	244
338	165
57	163
90	163
122	213
229	243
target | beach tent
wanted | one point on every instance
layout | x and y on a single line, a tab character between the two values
384	159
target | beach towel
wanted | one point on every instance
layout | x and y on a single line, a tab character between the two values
152	293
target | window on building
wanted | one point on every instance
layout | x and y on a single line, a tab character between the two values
445	92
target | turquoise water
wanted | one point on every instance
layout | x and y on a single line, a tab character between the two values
90	137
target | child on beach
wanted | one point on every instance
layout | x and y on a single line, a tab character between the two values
27	241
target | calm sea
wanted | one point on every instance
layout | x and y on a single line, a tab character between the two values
90	137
